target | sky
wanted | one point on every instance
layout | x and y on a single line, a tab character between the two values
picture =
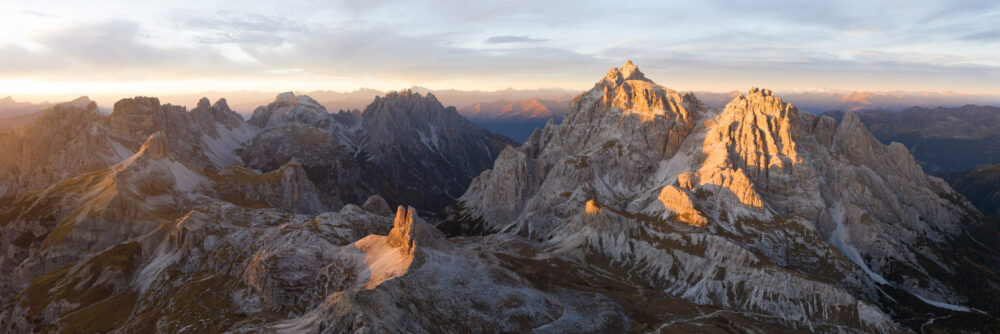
55	48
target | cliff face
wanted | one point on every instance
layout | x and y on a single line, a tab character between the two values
662	187
405	147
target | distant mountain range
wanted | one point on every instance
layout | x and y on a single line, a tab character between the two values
820	102
13	113
941	139
516	119
510	111
246	101
981	185
9	107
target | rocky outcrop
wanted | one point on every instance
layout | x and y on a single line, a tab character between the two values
679	203
134	119
408	228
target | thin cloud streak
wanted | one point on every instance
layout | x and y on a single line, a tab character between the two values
513	39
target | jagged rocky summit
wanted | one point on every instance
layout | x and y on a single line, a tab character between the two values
755	208
405	147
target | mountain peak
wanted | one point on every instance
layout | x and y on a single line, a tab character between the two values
410	94
204	103
760	100
287	97
221	104
631	72
82	102
627	89
618	75
760	92
290	108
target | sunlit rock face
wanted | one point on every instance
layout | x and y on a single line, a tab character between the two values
755	207
61	142
73	138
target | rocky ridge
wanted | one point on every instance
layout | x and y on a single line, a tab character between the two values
405	146
755	207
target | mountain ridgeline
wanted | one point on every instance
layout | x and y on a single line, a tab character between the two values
405	147
515	119
941	139
644	210
755	208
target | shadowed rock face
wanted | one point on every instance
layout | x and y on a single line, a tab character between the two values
405	147
661	187
941	139
981	185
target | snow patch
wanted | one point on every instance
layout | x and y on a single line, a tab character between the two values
842	241
946	306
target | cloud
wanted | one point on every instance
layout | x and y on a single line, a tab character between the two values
112	49
988	35
513	39
238	28
387	53
495	42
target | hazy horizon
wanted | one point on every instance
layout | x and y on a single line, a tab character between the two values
245	101
62	48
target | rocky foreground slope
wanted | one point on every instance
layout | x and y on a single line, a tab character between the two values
152	244
644	211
